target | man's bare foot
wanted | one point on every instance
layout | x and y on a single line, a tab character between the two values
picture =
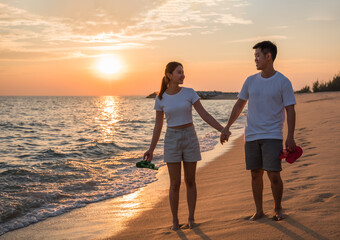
175	226
191	223
256	216
278	215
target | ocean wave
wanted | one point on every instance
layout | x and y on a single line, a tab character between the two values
68	152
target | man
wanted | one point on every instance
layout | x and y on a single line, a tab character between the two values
269	94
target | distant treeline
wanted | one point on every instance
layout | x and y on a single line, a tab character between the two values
332	85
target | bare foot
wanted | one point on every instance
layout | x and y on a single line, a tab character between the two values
191	223
176	227
278	215
256	216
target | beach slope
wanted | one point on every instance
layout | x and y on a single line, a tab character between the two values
311	197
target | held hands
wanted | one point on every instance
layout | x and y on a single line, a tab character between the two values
225	134
148	156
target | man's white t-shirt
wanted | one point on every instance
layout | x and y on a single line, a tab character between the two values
178	107
267	98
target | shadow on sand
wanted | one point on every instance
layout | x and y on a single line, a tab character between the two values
197	230
297	225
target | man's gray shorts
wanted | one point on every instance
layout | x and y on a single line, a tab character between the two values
263	154
181	145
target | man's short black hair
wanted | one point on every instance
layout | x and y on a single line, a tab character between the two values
267	47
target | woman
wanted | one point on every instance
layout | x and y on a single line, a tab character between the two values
180	143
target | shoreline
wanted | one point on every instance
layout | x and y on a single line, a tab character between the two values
108	218
311	198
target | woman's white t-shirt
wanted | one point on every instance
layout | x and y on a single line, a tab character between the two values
178	107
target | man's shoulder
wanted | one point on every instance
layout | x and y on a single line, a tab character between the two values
281	76
256	75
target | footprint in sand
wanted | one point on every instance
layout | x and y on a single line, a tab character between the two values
304	130
292	180
310	155
287	197
310	177
300	139
303	165
304	144
323	197
302	187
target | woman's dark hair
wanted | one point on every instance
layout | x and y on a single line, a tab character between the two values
267	47
170	67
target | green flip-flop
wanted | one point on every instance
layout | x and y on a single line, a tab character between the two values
146	164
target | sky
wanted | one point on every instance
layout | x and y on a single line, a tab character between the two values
115	47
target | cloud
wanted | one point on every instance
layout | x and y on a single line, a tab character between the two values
320	19
23	32
177	15
279	27
254	39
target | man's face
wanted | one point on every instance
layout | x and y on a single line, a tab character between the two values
260	59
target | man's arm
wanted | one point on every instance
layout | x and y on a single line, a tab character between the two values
291	116
235	113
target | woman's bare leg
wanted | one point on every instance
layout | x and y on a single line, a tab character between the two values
190	181
175	183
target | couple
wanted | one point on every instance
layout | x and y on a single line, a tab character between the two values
269	93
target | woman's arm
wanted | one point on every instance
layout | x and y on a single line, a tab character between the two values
206	116
155	136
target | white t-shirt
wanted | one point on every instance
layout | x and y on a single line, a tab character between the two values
267	98
178	107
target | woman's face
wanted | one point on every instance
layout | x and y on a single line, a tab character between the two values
177	76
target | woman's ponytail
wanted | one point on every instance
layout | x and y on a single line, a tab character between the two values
164	86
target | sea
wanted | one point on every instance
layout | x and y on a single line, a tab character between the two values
61	153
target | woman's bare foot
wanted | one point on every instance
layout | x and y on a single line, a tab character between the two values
278	215
191	224
256	216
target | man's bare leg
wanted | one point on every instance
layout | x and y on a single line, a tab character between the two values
277	190
257	186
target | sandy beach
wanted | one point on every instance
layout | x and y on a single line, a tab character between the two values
311	197
311	188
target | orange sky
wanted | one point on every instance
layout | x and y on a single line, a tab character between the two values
53	47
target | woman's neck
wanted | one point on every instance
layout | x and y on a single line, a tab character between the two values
173	89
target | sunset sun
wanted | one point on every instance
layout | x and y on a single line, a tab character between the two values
109	65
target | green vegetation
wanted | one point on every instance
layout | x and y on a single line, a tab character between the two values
305	89
332	85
